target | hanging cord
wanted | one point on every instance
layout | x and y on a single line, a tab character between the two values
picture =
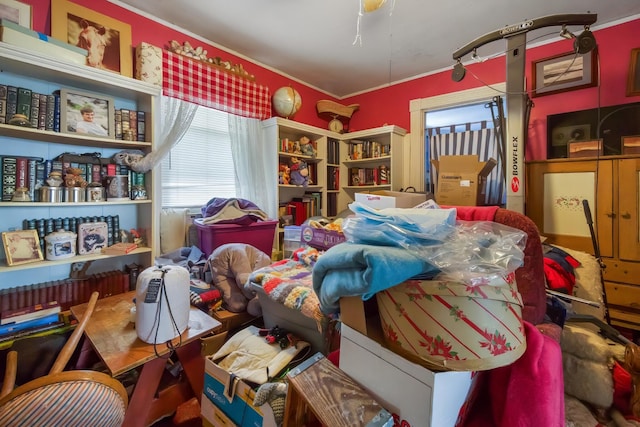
156	323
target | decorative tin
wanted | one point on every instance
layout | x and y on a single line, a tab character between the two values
51	194
92	237
117	187
95	193
60	244
74	194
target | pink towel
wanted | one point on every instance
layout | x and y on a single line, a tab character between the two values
527	393
475	213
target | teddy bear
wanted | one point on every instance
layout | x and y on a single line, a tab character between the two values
299	172
230	265
74	178
306	147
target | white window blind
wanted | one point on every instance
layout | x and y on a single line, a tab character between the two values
200	166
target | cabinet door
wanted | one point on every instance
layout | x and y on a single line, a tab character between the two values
555	194
628	211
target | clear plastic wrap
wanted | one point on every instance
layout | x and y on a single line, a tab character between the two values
475	252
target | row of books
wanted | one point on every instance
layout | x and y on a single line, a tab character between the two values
43	111
333	151
66	292
333	178
30	319
31	173
359	150
307	206
44	227
369	176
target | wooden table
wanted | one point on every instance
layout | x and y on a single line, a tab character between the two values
114	339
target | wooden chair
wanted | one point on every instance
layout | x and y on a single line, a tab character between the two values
63	398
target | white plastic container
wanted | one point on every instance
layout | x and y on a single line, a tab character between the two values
162	303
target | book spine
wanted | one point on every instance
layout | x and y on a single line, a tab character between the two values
30	312
24	102
16	327
56	113
3	103
35	109
118	127
50	112
32	169
12	101
142	136
133	125
9	170
42	106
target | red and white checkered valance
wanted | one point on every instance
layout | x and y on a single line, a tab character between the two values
196	82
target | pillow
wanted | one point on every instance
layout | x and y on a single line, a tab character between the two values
173	229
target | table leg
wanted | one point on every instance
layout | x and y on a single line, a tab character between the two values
193	365
144	393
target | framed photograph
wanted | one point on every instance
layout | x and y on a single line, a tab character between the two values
107	39
87	114
16	12
592	148
633	80
564	72
21	246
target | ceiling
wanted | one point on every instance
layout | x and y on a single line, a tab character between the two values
314	42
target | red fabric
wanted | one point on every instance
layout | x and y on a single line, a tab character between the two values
196	82
558	279
475	213
527	393
621	389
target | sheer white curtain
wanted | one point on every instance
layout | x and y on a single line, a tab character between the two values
173	121
256	164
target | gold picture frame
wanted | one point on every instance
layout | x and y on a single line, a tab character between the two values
110	39
16	12
564	72
633	79
21	247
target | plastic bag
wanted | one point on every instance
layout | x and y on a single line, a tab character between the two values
475	252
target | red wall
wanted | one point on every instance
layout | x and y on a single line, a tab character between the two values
146	30
391	105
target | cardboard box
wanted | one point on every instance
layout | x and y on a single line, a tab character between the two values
414	395
462	180
232	321
212	416
390	199
238	408
320	238
586	149
18	35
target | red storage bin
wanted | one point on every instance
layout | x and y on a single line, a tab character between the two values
259	234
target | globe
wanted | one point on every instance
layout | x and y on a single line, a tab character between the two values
286	101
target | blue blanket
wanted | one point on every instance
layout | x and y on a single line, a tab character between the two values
350	269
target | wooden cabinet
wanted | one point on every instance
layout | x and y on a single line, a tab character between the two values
370	160
611	185
45	74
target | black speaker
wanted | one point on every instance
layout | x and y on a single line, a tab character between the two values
458	72
585	42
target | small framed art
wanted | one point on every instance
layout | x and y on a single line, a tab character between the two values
87	113
21	247
564	72
16	12
633	79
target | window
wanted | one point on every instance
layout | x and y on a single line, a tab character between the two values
200	166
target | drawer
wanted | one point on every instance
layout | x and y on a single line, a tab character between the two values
623	295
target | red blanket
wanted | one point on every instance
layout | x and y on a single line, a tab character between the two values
527	393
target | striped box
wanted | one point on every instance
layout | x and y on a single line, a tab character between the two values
448	325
